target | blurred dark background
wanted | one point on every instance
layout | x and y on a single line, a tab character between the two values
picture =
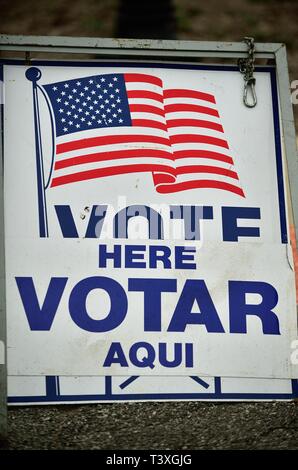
266	20
230	20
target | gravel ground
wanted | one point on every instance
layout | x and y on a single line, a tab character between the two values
163	426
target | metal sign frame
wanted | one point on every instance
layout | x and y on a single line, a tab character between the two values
161	50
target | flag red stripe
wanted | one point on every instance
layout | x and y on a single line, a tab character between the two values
143	94
163	178
202	139
182	170
203	154
140	77
118	154
99	173
180	93
207	184
146	108
109	140
194	123
149	123
173	108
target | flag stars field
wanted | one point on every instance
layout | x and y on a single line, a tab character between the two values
85	91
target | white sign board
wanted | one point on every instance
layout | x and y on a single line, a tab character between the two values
146	223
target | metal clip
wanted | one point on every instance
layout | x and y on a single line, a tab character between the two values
246	67
249	89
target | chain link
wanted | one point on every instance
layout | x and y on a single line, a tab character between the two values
246	67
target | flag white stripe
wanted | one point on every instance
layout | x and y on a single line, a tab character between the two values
111	148
140	86
203	161
175	131
125	130
193	115
207	176
148	101
194	101
150	116
113	163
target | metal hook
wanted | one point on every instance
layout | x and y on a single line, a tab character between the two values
250	86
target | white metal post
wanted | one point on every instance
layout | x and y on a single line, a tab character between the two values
3	367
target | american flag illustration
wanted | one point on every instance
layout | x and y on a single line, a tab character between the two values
121	123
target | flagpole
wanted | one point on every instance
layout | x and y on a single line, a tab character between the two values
33	74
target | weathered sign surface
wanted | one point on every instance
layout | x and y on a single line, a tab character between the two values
146	223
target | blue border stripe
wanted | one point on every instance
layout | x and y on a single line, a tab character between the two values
279	165
155	396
